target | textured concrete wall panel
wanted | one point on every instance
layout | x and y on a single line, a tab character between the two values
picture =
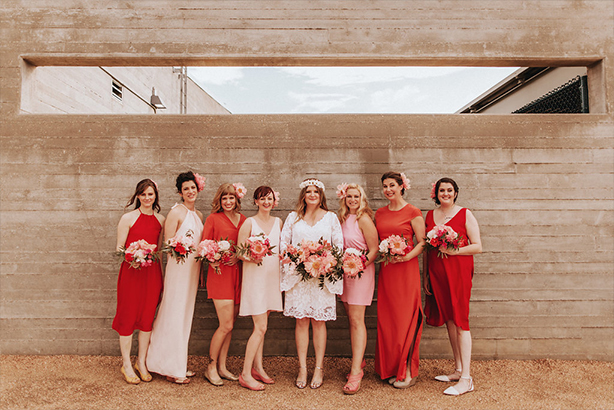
540	185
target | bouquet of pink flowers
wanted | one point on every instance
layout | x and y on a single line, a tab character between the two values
256	247
392	246
215	251
139	254
443	236
319	260
354	262
180	246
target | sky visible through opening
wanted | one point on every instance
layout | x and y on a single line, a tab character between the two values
350	90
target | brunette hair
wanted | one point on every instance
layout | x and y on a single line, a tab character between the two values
140	188
363	208
301	205
224	189
445	180
185	177
263	191
396	176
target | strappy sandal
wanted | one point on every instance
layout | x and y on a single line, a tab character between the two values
178	381
353	384
452	391
316	385
301	384
446	378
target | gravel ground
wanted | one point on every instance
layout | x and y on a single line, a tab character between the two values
94	382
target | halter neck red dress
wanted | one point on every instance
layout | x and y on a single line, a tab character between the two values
139	290
451	279
399	304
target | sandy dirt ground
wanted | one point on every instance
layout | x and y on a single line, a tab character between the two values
94	382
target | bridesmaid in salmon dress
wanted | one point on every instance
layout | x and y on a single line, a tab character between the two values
399	305
224	287
138	290
260	290
359	232
168	351
450	281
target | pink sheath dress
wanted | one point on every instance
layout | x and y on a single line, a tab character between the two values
357	291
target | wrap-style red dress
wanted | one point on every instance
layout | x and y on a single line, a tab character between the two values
227	283
399	304
139	290
451	279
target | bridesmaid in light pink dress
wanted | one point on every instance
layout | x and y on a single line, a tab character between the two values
359	232
168	350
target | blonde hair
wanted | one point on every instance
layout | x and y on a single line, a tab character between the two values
224	189
363	208
301	205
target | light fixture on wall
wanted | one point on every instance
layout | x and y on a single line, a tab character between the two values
155	100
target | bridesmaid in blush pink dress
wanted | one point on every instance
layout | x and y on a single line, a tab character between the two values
168	351
359	232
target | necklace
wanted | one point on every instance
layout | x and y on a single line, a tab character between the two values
445	215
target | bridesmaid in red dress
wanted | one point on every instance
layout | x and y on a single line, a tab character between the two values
138	290
399	304
224	288
450	280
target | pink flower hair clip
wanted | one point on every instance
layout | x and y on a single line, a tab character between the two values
433	193
405	181
342	190
200	181
276	196
239	189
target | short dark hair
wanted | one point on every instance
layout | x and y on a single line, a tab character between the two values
184	177
445	180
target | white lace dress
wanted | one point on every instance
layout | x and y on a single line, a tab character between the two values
305	298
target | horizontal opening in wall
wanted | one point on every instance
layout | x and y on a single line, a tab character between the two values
303	90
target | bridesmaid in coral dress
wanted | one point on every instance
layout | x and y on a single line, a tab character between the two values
359	232
138	290
168	351
224	287
399	305
450	279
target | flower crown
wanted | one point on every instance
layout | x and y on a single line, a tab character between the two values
405	181
312	181
342	190
240	190
433	193
200	181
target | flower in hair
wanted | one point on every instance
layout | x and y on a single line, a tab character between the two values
342	190
276	196
200	181
405	181
239	189
312	181
433	193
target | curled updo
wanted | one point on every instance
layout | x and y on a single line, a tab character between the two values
185	177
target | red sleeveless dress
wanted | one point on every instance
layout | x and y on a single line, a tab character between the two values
399	302
139	290
451	280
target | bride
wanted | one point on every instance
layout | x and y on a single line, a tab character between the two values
305	300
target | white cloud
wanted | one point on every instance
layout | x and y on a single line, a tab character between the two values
397	100
216	75
318	103
341	76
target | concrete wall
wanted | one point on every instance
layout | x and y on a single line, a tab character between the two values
540	185
88	90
